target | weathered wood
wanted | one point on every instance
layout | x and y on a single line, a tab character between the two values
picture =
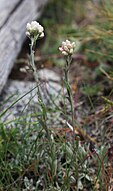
14	16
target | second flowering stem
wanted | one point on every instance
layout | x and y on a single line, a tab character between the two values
67	48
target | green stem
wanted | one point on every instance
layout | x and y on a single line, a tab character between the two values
68	87
40	97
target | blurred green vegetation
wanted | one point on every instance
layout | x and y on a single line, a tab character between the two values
97	36
89	21
59	22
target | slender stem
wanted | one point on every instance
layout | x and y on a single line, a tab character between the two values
68	87
35	74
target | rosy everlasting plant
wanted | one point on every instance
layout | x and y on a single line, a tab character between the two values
34	32
67	49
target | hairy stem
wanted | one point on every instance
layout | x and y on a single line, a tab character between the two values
40	97
68	87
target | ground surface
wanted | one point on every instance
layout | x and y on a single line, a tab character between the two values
88	88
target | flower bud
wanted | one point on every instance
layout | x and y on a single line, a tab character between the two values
68	47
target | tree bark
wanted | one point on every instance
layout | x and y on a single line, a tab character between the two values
14	16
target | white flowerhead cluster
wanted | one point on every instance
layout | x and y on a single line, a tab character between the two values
68	47
34	29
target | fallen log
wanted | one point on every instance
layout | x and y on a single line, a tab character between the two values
14	16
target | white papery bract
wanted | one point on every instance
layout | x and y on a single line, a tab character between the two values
34	29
